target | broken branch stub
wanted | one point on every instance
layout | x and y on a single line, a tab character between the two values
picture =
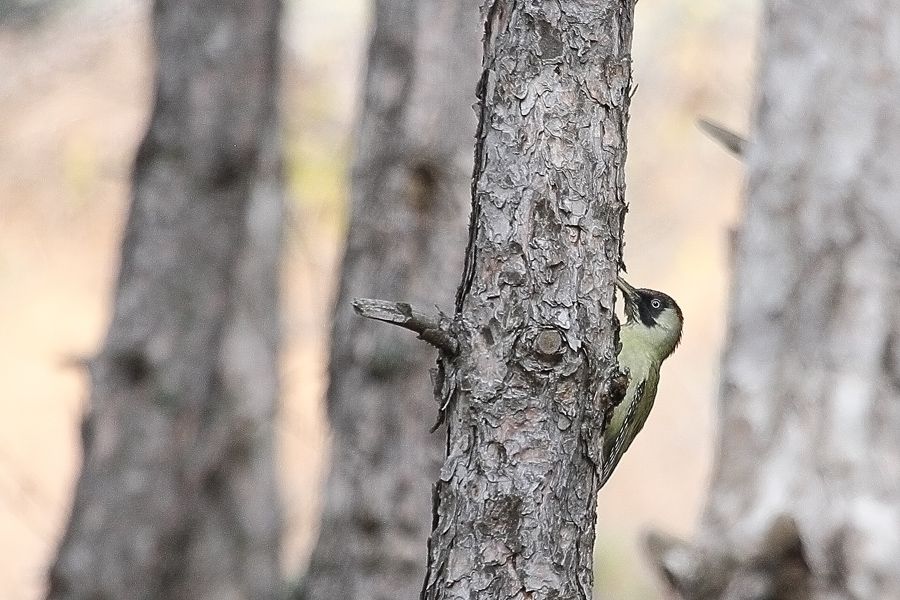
434	329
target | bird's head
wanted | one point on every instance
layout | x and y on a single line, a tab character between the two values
655	314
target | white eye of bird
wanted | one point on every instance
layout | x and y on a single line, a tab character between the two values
655	303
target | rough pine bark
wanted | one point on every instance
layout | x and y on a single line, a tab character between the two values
527	390
410	193
177	493
805	498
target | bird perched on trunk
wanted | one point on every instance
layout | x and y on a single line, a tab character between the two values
650	334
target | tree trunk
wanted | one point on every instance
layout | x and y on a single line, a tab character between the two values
177	494
527	391
805	499
411	185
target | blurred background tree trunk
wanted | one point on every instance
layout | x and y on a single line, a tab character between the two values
805	498
24	12
409	207
177	494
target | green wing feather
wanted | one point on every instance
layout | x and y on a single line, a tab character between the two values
627	421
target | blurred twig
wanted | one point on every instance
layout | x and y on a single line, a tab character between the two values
734	143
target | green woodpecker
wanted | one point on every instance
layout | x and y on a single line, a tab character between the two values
650	334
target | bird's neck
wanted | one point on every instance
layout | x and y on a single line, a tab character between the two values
656	342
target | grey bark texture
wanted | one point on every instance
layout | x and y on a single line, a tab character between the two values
527	392
177	493
805	498
410	193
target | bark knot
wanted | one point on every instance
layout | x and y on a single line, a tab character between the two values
548	343
542	349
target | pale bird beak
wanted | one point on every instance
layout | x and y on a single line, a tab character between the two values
626	287
628	292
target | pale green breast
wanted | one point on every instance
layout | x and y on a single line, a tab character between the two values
628	418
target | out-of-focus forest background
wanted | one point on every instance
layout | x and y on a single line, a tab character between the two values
74	100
